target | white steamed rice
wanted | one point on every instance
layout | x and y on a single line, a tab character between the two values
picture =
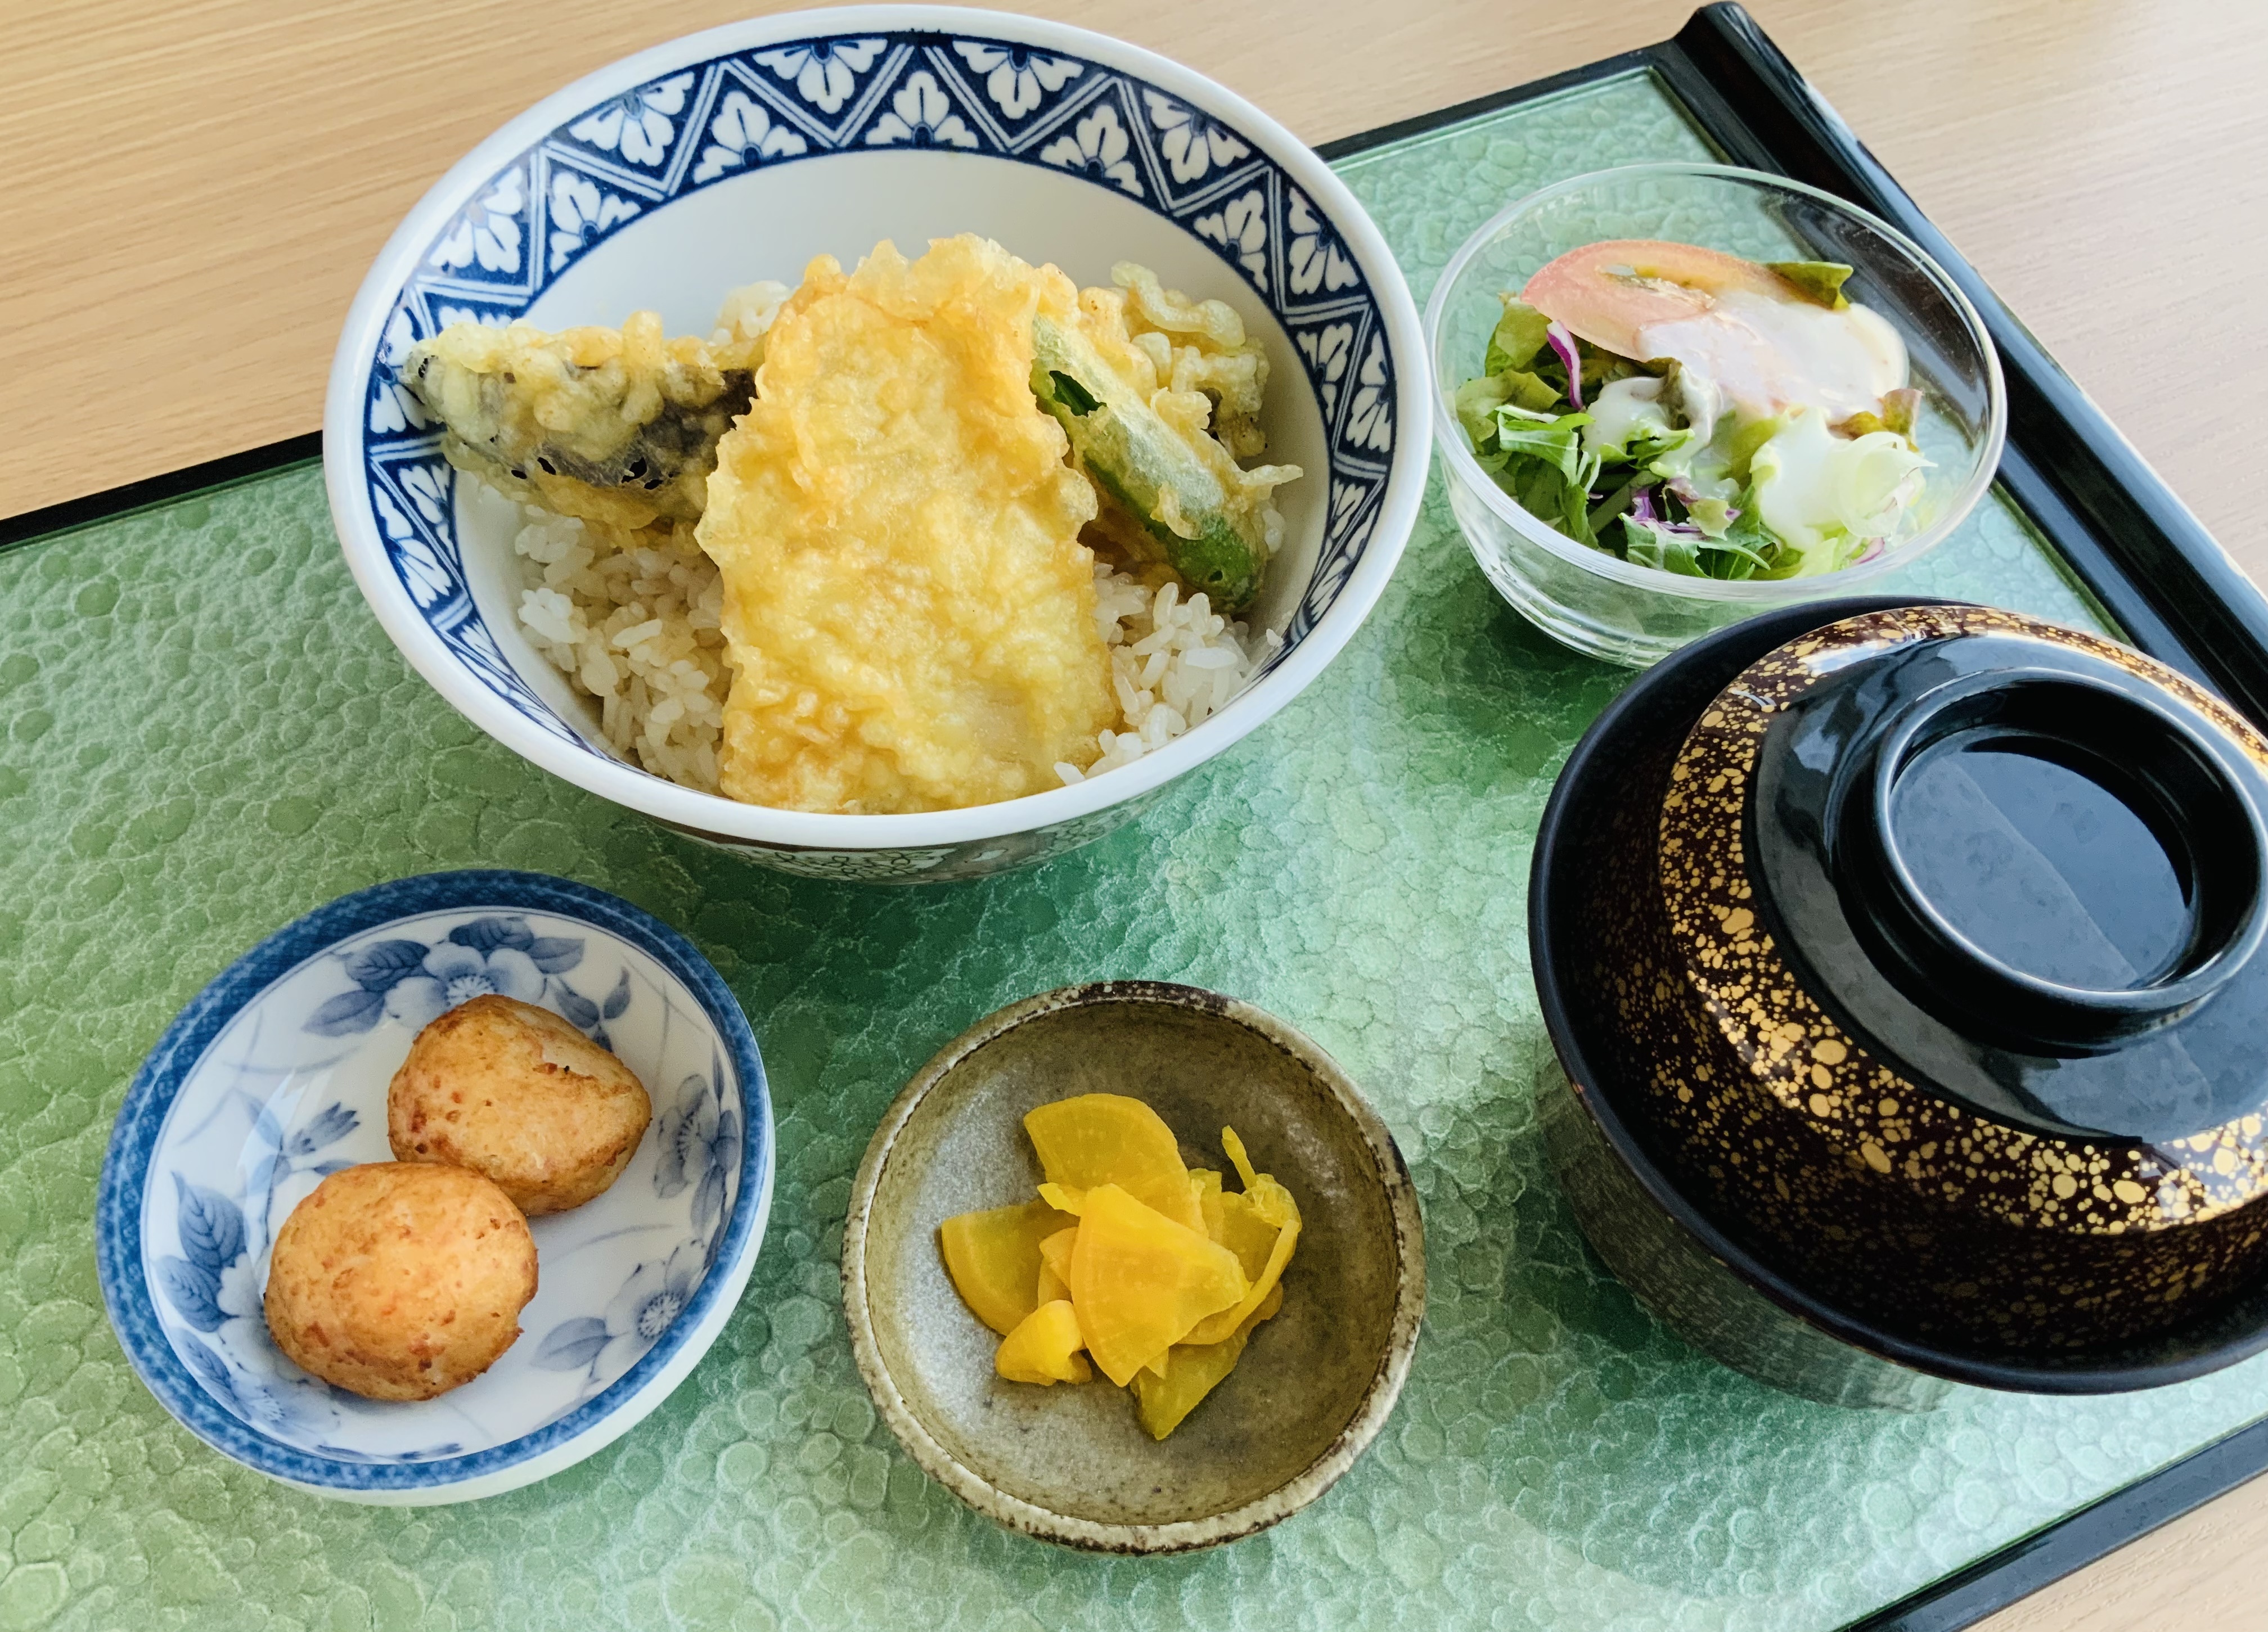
637	628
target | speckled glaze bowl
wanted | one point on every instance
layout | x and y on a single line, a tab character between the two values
1858	1043
665	179
1072	1465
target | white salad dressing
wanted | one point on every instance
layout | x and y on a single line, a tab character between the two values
1767	355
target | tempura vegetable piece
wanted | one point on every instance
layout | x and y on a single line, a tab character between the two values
1163	1398
1261	1224
1043	1348
909	611
994	1258
1204	348
1139	1281
618	426
1054	1265
1111	1138
1140	410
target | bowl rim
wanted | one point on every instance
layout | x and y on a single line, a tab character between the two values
1448	434
714	815
1596	756
124	1273
1179	1535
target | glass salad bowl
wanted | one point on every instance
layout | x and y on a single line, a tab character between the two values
1594	600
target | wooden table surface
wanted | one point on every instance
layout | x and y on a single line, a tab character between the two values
200	185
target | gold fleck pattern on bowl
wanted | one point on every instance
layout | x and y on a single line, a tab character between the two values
1792	1122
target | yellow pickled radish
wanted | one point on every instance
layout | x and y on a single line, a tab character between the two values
1044	1348
1261	1227
1207	1184
1054	1265
1216	1328
1152	1270
1270	1199
994	1258
1139	1281
1108	1139
1164	1396
1246	1233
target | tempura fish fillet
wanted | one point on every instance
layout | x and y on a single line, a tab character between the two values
911	612
618	426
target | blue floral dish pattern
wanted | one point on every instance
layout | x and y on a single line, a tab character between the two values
640	151
415	984
275	1077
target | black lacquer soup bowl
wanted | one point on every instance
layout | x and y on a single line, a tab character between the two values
1908	966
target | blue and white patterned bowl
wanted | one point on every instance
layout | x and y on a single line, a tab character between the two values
676	174
276	1074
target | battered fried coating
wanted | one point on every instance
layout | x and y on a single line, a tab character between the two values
907	607
1158	395
398	1280
1194	345
617	426
513	1092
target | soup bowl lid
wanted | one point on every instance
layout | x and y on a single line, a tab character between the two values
1981	900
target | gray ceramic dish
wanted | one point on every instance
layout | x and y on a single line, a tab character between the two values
1070	1464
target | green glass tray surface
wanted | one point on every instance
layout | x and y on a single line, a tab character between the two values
203	733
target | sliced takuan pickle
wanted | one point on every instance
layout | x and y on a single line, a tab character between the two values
1163	1398
1044	1348
1109	1139
1129	1261
1140	1280
994	1258
1054	1265
1206	1183
1263	1223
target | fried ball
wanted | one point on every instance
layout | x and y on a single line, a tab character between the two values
400	1280
513	1091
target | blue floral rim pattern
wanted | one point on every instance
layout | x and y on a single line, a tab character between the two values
119	1259
622	159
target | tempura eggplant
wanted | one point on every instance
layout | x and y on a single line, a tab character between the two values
618	426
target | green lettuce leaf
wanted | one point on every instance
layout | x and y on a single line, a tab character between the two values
1742	553
1558	440
1521	332
1546	468
1819	282
1823	496
1477	401
1713	516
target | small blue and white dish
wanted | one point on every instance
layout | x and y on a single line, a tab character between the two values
276	1074
666	180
